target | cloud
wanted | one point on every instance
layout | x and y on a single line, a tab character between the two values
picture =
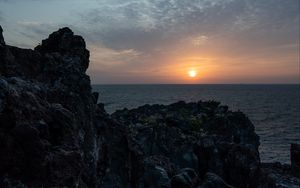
146	24
1	17
115	21
35	31
29	23
103	56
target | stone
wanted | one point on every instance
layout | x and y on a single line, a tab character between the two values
211	180
65	43
277	175
96	97
47	132
295	159
154	176
2	42
194	135
187	178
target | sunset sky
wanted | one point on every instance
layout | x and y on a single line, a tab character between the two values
162	41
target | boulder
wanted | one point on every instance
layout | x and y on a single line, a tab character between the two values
154	176
211	180
186	178
277	175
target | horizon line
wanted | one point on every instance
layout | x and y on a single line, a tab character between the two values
195	84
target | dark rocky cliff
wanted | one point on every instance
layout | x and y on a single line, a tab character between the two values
47	131
54	134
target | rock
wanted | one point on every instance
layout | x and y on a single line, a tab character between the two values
47	131
6	182
65	43
187	178
277	175
2	42
241	166
154	176
295	159
211	180
201	136
96	96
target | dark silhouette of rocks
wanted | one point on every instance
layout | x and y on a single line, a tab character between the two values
47	132
53	133
1	37
295	159
203	136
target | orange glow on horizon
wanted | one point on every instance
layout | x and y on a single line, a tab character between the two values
187	68
191	68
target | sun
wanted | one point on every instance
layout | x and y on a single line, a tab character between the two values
192	73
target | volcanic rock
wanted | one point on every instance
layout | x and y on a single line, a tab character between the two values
201	136
295	159
2	42
187	178
211	180
47	134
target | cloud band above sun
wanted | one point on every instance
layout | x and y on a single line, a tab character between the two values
155	41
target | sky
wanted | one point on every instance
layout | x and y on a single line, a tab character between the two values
169	41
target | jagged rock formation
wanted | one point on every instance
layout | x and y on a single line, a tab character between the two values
2	42
46	113
203	136
54	134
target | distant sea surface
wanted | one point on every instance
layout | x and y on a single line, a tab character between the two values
273	109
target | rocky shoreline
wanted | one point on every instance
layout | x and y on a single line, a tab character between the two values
53	133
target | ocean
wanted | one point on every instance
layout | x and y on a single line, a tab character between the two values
273	109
